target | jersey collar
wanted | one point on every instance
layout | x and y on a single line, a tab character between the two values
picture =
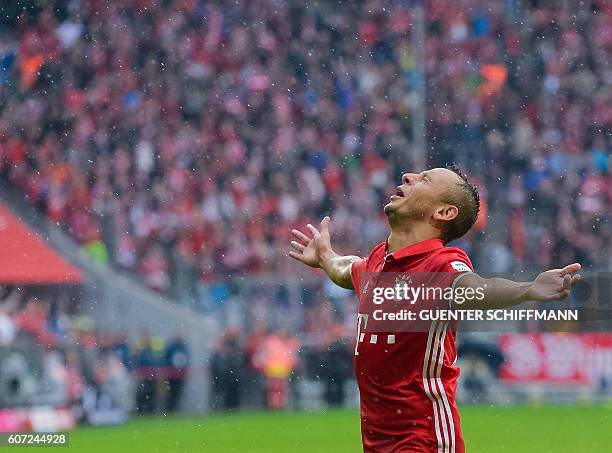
416	249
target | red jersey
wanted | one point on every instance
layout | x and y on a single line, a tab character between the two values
407	380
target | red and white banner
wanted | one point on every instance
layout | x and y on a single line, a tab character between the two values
579	359
40	419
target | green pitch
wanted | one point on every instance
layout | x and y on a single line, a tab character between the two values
486	429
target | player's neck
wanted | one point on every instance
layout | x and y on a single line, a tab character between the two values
402	238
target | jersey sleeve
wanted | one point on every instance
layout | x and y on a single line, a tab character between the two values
454	265
455	261
357	270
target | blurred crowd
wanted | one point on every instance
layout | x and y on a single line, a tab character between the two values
265	368
51	356
181	140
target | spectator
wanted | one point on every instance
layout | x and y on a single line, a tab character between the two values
279	361
177	360
10	300
54	379
336	367
255	380
146	370
75	384
122	348
227	370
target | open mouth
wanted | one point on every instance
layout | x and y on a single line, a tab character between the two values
398	193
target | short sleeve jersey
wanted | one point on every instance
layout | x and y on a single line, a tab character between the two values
407	380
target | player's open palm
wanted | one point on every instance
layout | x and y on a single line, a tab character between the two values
554	284
310	248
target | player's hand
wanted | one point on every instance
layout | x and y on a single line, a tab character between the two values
311	249
554	284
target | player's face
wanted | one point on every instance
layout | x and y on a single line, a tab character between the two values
420	194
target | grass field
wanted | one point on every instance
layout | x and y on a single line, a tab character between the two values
519	429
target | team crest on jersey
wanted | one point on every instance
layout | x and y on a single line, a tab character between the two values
460	266
400	281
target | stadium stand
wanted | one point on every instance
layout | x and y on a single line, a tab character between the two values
252	117
186	159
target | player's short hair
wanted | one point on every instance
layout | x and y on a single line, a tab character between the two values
467	200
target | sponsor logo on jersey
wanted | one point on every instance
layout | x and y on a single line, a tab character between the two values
460	266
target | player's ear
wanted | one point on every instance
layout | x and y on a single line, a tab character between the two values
446	212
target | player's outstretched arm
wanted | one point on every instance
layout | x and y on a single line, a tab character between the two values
315	250
548	286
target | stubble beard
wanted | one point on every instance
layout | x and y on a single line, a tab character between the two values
415	212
